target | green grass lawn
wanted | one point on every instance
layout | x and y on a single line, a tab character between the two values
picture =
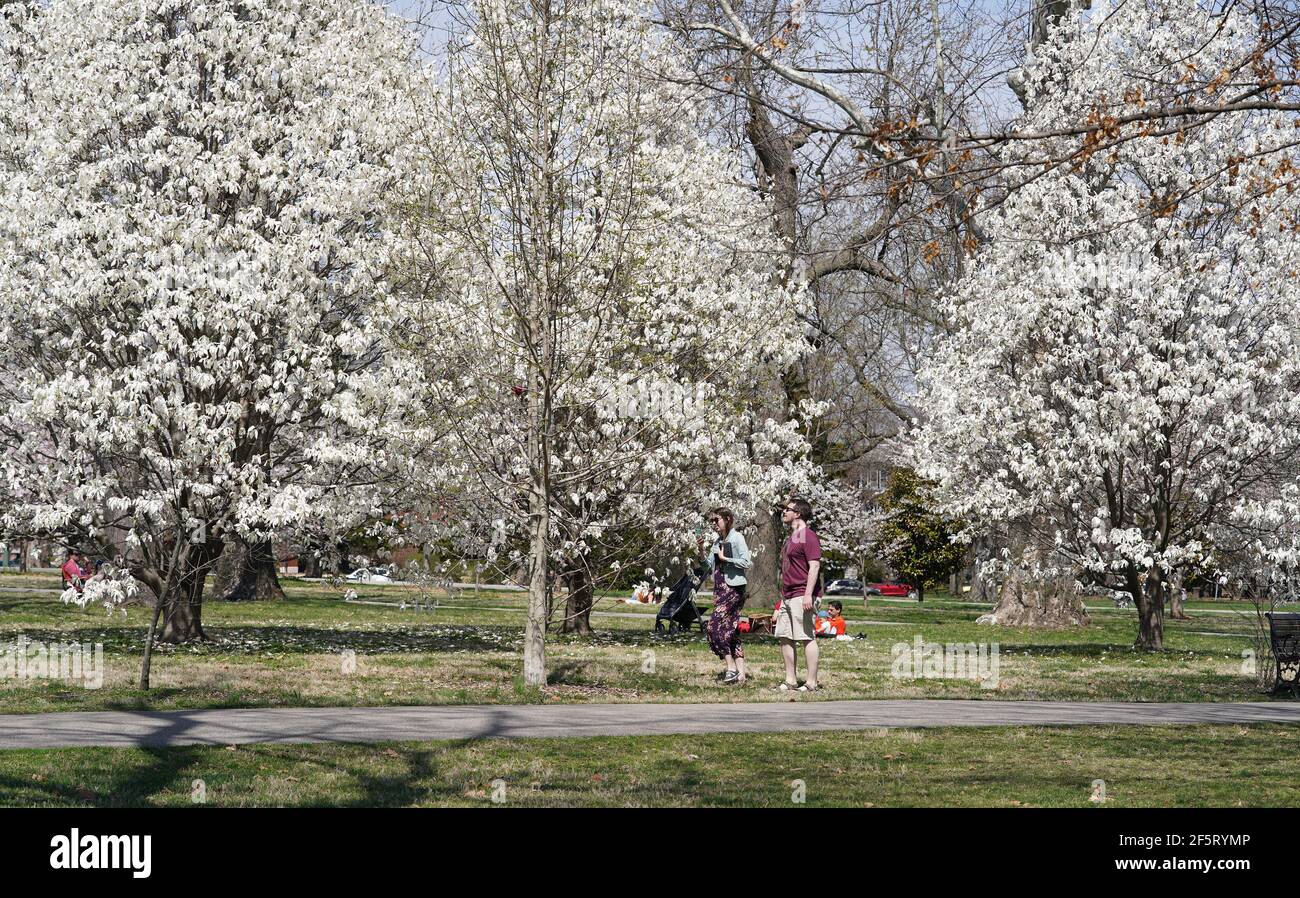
1197	766
467	651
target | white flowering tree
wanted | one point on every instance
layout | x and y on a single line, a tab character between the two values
192	246
594	297
1123	382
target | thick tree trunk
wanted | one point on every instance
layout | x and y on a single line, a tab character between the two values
183	611
340	563
225	573
311	566
1174	586
183	614
247	572
764	574
983	590
577	607
1151	609
1030	601
778	179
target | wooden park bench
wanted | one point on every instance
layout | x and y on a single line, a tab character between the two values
1284	635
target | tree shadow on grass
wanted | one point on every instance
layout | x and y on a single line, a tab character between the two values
569	673
331	640
114	639
134	786
292	639
45	605
423	775
1070	649
421	779
627	638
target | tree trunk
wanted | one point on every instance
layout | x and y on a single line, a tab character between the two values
339	563
778	179
247	572
183	611
1151	609
1176	596
225	574
538	604
1030	601
183	618
982	588
577	607
146	667
311	566
764	574
539	500
1049	12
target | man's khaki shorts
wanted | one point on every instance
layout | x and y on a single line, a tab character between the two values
793	623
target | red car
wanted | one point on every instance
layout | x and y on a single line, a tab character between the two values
893	588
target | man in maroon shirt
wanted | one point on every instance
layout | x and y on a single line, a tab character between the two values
801	561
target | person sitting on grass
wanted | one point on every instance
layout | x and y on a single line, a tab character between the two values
831	623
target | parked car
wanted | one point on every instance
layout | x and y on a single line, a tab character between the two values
844	588
377	575
893	588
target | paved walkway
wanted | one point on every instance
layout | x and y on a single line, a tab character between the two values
243	726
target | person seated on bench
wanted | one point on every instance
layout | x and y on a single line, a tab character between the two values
831	623
74	571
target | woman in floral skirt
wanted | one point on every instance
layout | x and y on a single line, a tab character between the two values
728	558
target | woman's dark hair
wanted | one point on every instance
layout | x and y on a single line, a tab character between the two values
726	514
804	508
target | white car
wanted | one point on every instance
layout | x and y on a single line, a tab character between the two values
367	575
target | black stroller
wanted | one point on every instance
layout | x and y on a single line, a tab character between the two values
679	609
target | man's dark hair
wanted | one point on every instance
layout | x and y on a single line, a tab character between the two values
804	509
836	604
